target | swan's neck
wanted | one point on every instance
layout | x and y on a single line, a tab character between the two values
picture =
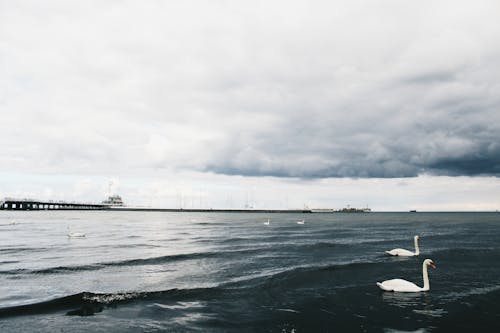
417	250
427	285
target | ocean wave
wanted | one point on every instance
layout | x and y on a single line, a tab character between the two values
472	251
132	262
269	239
88	303
278	278
273	250
473	292
14	250
9	262
438	313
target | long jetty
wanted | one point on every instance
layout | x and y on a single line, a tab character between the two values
30	204
208	210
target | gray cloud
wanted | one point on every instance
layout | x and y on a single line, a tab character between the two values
430	78
288	89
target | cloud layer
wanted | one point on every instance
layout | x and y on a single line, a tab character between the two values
310	89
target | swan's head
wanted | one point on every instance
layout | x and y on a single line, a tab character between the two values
429	262
417	237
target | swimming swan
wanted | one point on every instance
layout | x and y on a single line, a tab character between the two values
75	234
403	286
267	222
405	253
300	222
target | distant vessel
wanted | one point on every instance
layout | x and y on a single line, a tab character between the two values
354	210
113	201
348	209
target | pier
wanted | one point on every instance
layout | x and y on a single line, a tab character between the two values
30	204
206	210
114	203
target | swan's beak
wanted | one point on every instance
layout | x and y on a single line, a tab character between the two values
432	265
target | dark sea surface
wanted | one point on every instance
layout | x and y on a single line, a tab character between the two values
229	272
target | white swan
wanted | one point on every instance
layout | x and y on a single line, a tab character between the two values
267	222
75	234
405	253
403	286
300	222
12	222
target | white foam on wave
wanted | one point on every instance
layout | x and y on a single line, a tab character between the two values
391	330
178	305
288	310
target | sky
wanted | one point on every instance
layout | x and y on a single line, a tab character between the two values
390	104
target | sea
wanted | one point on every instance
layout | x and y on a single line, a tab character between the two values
231	272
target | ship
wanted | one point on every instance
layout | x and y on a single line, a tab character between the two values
113	201
354	210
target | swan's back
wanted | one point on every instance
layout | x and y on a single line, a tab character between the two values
399	285
76	235
400	252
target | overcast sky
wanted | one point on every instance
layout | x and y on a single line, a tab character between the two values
392	104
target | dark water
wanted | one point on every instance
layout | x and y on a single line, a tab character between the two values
148	272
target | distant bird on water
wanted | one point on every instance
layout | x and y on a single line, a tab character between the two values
75	234
403	286
12	222
301	222
405	253
267	222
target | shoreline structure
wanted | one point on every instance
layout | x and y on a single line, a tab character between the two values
107	205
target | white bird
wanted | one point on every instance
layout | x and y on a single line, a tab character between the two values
267	222
405	253
75	234
300	222
403	286
12	222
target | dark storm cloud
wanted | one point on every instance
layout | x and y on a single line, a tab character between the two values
435	133
404	159
484	161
